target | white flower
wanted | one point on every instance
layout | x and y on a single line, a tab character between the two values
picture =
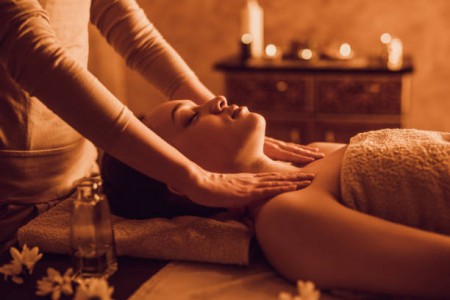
55	284
307	290
13	269
94	288
288	296
26	258
29	257
284	296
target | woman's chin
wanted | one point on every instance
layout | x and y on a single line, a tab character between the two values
257	120
258	131
261	123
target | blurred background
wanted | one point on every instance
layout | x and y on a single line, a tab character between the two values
206	31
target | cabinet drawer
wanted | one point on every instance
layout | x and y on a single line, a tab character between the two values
336	132
271	91
354	95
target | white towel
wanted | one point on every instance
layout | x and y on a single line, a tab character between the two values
182	238
402	175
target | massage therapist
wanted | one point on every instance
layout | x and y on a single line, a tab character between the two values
53	111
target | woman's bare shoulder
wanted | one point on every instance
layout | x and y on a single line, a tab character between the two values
326	147
324	188
316	195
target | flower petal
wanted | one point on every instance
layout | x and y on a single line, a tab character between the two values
6	269
16	255
52	273
67	289
34	251
284	296
56	294
17	279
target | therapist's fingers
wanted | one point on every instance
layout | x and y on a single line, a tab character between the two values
290	152
283	177
276	184
303	150
279	142
262	194
299	156
242	189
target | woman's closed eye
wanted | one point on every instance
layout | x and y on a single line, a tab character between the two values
193	118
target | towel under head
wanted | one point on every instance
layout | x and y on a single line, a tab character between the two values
188	238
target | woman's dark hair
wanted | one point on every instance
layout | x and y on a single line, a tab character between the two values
134	195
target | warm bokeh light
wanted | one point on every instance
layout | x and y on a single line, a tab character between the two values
395	54
305	54
386	38
345	50
247	38
271	50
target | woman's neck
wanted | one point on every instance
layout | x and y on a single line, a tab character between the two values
262	163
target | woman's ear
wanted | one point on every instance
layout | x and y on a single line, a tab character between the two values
175	191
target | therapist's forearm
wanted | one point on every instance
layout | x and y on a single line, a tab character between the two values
34	58
128	30
142	149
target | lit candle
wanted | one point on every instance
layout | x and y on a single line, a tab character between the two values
252	18
345	51
385	38
246	43
305	54
272	52
395	54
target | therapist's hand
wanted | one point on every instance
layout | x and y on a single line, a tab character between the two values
290	152
242	189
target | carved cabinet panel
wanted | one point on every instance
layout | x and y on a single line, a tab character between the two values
306	104
358	94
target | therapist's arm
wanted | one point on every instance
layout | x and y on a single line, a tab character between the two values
34	58
126	27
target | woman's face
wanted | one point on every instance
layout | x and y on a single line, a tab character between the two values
214	135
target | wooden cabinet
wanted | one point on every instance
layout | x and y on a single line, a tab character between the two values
320	101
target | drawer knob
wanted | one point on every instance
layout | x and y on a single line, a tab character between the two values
282	86
330	136
294	136
374	88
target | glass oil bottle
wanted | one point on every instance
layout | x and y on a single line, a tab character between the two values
91	232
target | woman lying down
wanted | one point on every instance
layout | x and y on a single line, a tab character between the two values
376	218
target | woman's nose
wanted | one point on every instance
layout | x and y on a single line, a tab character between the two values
217	104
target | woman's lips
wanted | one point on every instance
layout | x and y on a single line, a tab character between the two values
237	111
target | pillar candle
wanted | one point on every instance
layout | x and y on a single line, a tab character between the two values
252	19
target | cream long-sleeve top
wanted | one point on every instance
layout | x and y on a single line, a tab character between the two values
49	101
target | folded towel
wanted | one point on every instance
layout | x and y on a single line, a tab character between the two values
182	238
402	175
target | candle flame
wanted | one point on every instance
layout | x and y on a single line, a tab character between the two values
305	54
345	50
386	38
271	50
395	54
247	38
